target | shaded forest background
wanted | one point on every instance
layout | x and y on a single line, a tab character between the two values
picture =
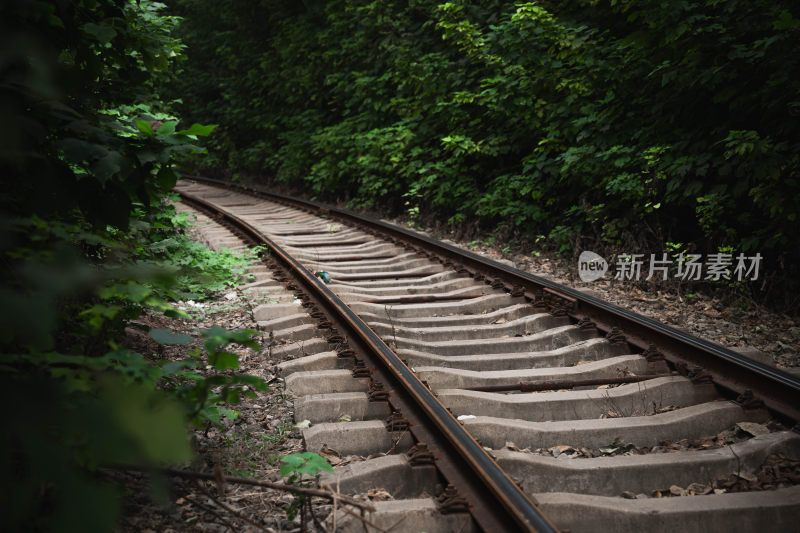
626	126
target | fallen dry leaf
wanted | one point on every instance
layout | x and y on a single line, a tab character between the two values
379	495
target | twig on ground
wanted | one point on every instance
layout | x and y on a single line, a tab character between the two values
189	474
228	508
211	510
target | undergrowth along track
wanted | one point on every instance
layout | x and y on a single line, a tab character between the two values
447	332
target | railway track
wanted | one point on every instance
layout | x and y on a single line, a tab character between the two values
488	399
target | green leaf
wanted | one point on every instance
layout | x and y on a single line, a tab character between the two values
225	360
218	337
167	178
145	127
166	336
304	463
786	22
210	413
80	150
148	416
108	166
290	463
167	128
146	156
177	367
163	245
230	414
198	129
132	291
175	313
102	33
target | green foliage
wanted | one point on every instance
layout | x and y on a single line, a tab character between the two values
54	439
201	271
195	271
69	291
189	269
556	118
74	82
88	150
205	394
297	467
294	466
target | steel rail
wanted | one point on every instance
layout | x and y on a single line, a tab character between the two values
497	503
780	391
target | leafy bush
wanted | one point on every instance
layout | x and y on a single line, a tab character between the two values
194	270
206	395
83	401
90	150
576	119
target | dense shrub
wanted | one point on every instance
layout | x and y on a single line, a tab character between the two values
87	152
629	123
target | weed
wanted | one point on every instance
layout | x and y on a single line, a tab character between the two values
298	468
205	395
279	436
198	270
642	404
